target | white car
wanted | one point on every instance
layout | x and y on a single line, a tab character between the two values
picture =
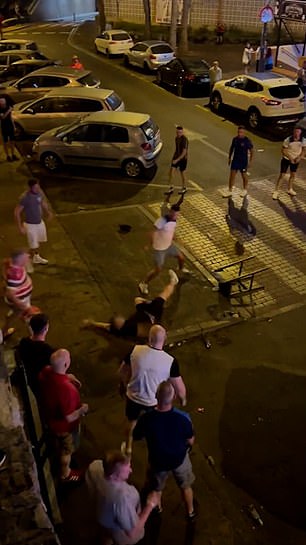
265	98
113	42
149	55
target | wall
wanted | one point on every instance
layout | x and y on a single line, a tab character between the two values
60	9
23	519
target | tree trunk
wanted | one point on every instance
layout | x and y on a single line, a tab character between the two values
173	26
102	17
184	33
147	12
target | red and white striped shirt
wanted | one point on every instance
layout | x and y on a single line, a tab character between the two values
18	281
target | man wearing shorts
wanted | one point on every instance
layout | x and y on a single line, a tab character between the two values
169	435
141	372
18	284
239	158
293	150
179	159
32	203
7	128
162	240
147	313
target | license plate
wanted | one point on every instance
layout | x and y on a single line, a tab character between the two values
291	104
203	80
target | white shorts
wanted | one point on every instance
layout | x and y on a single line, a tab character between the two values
36	233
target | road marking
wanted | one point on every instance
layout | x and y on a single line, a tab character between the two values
49	32
84	212
135	182
203	108
195	185
36	33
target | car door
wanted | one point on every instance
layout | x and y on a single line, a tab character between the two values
113	146
175	72
234	93
46	113
4	63
81	146
137	54
26	88
103	42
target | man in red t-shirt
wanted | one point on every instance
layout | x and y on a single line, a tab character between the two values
62	409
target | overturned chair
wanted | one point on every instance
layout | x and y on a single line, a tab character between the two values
234	275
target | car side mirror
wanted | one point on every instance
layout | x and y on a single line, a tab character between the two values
66	139
227	84
30	111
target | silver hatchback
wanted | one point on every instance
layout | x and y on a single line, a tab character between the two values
149	54
126	140
65	105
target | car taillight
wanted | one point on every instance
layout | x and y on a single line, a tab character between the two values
152	57
190	77
269	102
112	43
146	146
130	41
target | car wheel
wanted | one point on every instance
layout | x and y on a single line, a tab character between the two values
97	50
216	102
126	61
180	89
51	161
19	131
107	53
132	168
146	68
254	118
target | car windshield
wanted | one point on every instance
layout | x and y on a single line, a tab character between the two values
113	101
32	46
196	65
161	48
88	80
120	36
285	91
150	129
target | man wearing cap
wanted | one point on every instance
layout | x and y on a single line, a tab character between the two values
76	64
215	74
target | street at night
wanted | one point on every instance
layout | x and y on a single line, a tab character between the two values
250	443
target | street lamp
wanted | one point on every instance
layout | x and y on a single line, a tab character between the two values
266	16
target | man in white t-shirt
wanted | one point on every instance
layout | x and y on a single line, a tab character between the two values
162	240
293	150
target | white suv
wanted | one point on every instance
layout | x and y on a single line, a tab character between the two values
264	98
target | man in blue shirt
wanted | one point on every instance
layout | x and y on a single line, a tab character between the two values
239	158
169	436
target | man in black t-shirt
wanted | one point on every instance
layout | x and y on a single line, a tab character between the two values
179	159
34	352
239	158
7	127
169	435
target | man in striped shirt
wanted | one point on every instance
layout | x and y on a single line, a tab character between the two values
18	287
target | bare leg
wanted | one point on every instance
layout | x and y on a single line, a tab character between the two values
65	460
169	288
231	181
277	185
129	436
187	494
6	148
183	177
181	261
87	323
291	181
245	180
172	169
152	274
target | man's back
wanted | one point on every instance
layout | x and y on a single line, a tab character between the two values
149	367
35	355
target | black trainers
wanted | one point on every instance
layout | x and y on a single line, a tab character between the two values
183	191
170	191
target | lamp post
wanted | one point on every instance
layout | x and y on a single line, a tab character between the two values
266	16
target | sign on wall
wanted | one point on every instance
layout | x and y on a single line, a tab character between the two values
292	9
163	11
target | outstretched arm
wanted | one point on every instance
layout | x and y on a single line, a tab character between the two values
88	323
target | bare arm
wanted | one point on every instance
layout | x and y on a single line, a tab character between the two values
17	214
143	516
75	415
180	389
3	116
181	156
251	155
124	373
99	325
190	441
10	295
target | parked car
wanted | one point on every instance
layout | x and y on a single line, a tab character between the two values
9	57
19	69
61	106
126	140
113	42
149	54
41	81
185	74
6	45
264	98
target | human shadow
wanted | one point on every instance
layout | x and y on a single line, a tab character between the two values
297	217
237	218
263	448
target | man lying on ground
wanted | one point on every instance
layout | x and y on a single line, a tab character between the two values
147	313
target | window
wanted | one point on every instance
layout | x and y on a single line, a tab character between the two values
14	58
88	80
139	47
114	134
285	91
238	83
52	81
86	133
175	65
30	82
161	48
3	60
150	129
252	86
120	36
78	105
42	106
113	101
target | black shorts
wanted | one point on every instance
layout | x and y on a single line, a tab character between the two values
285	163
181	165
8	132
154	308
133	410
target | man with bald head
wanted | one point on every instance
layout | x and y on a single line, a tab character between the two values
62	409
141	372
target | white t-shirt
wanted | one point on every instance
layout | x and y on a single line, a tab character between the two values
293	148
163	234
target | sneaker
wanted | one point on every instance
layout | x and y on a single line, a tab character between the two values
2	457
275	195
143	288
191	516
184	270
243	193
29	267
37	259
291	192
183	191
173	277
227	194
170	190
